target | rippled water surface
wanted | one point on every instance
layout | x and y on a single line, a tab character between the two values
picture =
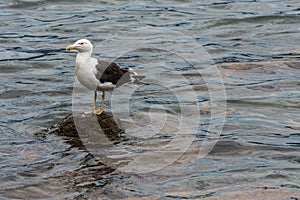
254	45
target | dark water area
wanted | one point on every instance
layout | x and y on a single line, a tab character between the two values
254	45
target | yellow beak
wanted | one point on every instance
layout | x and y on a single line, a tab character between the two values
71	47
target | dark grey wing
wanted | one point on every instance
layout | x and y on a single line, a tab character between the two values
112	72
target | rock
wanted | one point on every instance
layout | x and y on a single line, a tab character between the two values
76	126
153	197
237	192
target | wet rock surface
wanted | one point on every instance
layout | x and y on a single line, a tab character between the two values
91	133
75	126
246	192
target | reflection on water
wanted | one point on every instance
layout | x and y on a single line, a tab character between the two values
260	139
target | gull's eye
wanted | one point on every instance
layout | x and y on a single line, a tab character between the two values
81	43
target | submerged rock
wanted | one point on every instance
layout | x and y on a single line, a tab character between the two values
245	192
76	126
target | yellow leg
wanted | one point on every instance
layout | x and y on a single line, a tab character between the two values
100	110
94	107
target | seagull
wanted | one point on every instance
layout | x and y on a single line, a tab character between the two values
97	75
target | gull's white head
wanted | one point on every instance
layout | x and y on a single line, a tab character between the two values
82	45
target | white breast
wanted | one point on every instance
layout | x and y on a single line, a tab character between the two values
86	74
86	71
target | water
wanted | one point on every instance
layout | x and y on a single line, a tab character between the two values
260	138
